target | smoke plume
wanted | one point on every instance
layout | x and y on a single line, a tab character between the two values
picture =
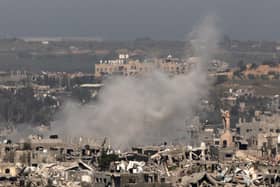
149	109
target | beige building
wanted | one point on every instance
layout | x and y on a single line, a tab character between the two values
9	170
262	135
226	139
126	67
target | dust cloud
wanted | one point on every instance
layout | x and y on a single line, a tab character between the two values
148	109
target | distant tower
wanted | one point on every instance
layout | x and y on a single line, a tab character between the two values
226	119
226	136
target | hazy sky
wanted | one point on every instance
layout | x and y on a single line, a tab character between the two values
129	19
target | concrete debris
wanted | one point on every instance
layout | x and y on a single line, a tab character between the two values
167	166
39	161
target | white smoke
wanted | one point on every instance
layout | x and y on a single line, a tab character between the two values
149	109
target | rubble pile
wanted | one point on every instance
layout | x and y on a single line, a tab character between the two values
48	162
227	160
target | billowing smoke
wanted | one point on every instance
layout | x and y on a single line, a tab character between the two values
149	109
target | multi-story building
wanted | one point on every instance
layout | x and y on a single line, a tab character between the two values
261	134
124	66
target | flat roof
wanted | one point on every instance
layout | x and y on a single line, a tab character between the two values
91	85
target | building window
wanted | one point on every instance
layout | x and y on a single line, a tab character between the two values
132	180
7	171
228	155
238	130
224	144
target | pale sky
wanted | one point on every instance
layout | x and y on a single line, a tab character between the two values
130	19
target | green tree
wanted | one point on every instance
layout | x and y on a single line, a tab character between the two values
105	160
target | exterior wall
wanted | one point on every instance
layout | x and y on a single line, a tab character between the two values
255	132
254	128
8	170
226	139
131	68
226	154
269	140
135	67
141	180
207	137
102	180
22	156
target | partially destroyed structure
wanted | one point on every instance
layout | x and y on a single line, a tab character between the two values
226	160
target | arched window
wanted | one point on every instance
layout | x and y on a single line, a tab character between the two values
224	143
